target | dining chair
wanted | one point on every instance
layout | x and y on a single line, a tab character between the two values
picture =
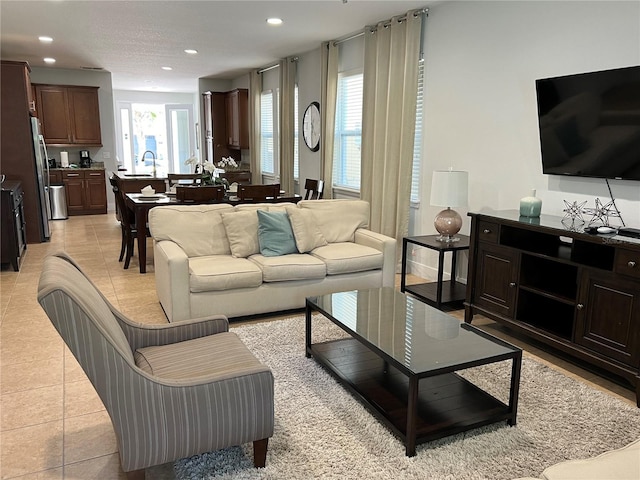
314	189
202	193
127	222
258	193
172	390
241	178
183	179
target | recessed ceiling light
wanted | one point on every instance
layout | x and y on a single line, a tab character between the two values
190	51
167	68
49	60
45	39
274	21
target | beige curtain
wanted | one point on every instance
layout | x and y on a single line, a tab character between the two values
255	90
390	86
288	67
328	96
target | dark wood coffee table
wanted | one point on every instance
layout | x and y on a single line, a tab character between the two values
400	359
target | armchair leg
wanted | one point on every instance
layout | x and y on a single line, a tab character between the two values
260	452
136	474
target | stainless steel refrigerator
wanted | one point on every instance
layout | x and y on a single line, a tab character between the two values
42	179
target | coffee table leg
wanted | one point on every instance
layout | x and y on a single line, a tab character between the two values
412	413
307	330
515	387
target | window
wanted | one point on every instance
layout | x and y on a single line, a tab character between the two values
348	131
269	118
417	143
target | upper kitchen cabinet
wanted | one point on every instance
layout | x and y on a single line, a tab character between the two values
237	104
69	115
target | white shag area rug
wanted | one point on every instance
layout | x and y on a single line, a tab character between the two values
322	432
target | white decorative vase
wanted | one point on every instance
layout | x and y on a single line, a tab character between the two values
530	206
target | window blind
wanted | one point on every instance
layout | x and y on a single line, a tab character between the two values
417	142
267	150
348	131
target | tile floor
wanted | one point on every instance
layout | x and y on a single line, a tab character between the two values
52	423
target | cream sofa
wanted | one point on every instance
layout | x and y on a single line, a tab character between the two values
620	464
208	258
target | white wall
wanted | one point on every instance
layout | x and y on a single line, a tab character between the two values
309	85
482	60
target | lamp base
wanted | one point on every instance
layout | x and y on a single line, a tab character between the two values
448	222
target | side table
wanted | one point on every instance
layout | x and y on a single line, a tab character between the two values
440	292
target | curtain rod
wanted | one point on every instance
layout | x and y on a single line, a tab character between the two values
266	69
386	24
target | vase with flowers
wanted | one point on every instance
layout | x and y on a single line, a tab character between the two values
209	173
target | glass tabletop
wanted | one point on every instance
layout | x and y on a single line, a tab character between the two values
415	335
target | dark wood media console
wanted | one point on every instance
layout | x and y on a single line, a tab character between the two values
577	292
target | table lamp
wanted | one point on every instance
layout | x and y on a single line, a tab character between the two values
449	188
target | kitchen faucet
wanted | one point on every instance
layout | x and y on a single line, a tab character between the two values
153	155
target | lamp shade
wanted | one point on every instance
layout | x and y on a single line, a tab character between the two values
449	188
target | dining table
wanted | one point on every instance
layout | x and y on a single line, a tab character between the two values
140	204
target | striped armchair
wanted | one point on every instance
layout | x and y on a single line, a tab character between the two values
171	390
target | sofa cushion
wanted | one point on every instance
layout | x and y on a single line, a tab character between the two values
197	229
222	272
297	266
222	355
274	234
348	257
339	219
242	232
305	229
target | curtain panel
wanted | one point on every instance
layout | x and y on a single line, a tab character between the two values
390	84
255	90
288	70
328	98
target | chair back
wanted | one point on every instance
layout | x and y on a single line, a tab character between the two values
314	189
258	193
202	193
241	178
183	179
124	214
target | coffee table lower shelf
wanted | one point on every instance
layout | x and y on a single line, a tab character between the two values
447	403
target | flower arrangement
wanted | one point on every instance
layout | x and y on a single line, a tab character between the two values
209	172
228	163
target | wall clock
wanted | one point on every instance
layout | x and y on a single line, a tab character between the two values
311	126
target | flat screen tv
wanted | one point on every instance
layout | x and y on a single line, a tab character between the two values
590	124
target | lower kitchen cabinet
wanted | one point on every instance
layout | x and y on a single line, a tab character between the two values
86	191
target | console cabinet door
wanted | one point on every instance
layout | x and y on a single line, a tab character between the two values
496	277
74	190
608	319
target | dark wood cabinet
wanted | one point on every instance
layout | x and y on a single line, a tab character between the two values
14	239
69	115
55	177
575	292
237	120
85	191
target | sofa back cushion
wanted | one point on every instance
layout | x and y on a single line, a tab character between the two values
338	219
197	229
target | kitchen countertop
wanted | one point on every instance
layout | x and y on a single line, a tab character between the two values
68	169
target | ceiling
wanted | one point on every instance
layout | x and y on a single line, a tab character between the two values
134	39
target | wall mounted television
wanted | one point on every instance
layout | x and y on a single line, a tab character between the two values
590	124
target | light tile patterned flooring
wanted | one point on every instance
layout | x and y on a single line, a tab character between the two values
52	423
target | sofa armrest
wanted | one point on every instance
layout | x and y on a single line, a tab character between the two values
142	335
171	266
387	246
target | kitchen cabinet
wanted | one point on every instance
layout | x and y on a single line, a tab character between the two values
16	141
55	177
576	292
14	239
86	191
70	115
237	105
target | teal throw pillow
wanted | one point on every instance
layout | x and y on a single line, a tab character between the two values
275	234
